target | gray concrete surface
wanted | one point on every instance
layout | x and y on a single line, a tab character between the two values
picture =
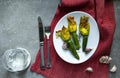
18	28
115	51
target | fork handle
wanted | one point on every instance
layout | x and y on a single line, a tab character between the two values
48	54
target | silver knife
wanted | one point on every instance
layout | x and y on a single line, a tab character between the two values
41	41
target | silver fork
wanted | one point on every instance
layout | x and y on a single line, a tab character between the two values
47	33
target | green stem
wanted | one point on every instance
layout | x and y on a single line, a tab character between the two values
72	49
76	41
84	44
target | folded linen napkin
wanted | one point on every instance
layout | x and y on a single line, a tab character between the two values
103	12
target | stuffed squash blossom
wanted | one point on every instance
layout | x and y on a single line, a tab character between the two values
72	27
84	28
65	36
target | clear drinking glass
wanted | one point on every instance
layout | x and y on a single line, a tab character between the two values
16	59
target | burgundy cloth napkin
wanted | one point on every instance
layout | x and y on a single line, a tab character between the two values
103	12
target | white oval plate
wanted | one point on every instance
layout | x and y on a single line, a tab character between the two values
93	39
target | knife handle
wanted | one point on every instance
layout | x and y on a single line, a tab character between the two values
42	63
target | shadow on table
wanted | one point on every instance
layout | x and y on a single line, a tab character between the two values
20	74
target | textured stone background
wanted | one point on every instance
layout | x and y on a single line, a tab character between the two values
19	28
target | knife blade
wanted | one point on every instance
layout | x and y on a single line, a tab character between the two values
41	42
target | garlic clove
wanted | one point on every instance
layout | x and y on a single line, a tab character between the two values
106	59
65	46
102	59
109	60
87	50
113	69
89	69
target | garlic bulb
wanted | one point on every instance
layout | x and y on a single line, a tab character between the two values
113	69
89	69
105	59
